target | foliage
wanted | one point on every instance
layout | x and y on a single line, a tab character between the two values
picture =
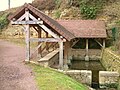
118	86
111	85
48	79
58	3
3	21
57	14
89	12
89	9
44	4
116	37
114	34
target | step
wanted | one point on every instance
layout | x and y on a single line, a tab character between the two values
49	59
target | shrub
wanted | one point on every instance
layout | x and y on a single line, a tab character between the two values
57	14
3	21
90	8
89	12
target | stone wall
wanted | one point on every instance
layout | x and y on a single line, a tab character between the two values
82	76
108	79
111	62
79	54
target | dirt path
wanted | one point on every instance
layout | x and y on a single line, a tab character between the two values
14	74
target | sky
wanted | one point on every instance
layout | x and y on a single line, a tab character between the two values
14	3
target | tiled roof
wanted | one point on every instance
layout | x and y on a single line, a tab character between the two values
85	28
69	29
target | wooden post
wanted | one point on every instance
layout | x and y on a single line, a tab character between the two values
39	36
47	42
103	43
27	30
61	55
66	51
86	57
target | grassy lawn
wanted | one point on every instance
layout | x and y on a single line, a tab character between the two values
48	79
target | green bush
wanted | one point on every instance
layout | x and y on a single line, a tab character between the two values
90	8
57	14
3	21
89	12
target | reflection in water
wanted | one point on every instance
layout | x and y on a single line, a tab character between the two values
94	66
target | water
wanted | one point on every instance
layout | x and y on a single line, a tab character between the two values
94	66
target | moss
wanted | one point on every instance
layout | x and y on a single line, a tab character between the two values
118	85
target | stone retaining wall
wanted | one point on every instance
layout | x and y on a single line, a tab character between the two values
82	76
108	79
111	62
79	54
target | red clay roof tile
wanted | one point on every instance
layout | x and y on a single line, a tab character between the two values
85	28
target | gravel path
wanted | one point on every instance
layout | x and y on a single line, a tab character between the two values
14	74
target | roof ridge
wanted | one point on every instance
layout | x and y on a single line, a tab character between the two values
51	22
65	30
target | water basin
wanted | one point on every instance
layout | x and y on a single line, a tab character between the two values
94	66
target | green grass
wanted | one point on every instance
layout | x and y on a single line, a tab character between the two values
48	79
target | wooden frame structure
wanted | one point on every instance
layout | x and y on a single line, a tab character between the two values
28	20
28	16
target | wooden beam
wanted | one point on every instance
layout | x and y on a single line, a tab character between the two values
22	17
35	28
44	40
36	49
27	30
26	22
103	43
66	51
32	17
61	55
75	42
99	43
39	36
47	42
52	45
87	56
86	46
23	27
49	31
